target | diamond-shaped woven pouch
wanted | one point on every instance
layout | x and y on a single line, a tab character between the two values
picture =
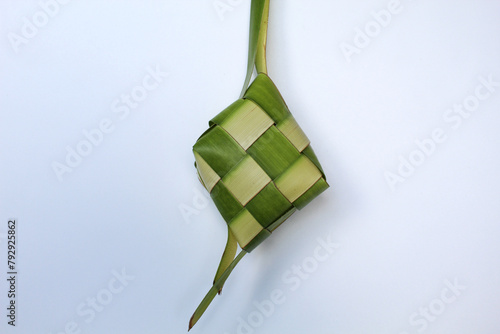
257	164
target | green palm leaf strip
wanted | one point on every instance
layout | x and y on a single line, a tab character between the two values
259	14
227	256
213	291
255	161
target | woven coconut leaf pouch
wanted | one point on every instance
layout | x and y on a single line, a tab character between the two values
255	161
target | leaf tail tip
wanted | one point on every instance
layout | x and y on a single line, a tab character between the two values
191	323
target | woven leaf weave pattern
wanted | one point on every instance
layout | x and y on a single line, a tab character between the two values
257	164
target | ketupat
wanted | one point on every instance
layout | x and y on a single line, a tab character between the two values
255	161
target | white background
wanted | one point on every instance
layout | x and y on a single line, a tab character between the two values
120	209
